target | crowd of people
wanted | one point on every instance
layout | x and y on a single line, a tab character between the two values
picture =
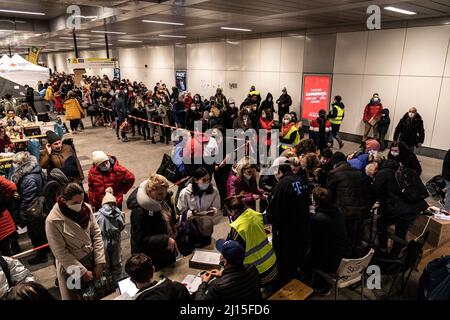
316	201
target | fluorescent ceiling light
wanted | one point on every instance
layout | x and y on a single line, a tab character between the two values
164	22
171	36
70	38
235	29
86	17
399	10
98	44
55	42
112	32
128	40
23	12
80	46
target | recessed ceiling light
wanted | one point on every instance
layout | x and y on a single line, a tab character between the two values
164	22
23	12
129	40
111	32
171	36
394	9
235	29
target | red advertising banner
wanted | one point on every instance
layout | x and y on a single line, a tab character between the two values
316	95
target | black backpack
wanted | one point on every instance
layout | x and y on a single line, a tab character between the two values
169	169
411	186
436	186
434	284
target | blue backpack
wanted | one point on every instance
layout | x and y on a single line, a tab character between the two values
434	284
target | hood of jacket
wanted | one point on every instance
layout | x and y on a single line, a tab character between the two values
31	165
109	212
385	111
140	199
339	104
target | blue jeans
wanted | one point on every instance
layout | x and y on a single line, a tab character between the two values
447	196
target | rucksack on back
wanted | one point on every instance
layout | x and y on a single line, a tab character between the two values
411	186
434	284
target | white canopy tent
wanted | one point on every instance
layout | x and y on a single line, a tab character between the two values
21	71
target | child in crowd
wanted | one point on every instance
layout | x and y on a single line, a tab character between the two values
111	221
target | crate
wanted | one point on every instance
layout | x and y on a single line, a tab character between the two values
439	230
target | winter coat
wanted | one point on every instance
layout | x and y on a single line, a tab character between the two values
407	159
119	178
385	121
334	112
164	289
188	201
111	222
70	243
150	231
58	159
266	104
372	110
329	240
191	117
348	191
288	212
446	166
359	162
237	283
236	186
266	124
284	99
386	190
179	112
73	109
319	131
29	180
18	272
410	131
7	225
48	94
121	107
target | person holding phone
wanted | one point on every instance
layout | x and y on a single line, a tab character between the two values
200	201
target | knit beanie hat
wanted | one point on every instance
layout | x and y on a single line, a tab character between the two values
52	137
372	145
109	197
99	157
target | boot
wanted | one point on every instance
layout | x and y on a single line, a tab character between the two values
41	257
341	144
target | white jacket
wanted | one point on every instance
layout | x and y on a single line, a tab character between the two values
188	202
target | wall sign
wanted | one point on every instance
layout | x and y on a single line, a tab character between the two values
180	80
316	95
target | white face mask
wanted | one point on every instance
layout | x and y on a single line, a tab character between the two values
211	114
247	176
263	116
75	207
395	153
285	121
411	115
193	108
376	99
203	186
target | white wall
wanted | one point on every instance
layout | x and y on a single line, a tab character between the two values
407	67
268	63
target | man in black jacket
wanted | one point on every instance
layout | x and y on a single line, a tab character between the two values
29	97
394	210
140	269
446	175
284	102
152	221
349	194
288	212
410	129
236	281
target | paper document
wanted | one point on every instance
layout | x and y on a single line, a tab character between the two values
206	257
192	282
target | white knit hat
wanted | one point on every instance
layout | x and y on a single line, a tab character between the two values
109	197
99	157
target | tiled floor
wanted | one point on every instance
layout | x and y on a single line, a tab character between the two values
143	158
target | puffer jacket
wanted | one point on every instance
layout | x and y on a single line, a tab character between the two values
18	272
111	222
29	180
359	162
348	191
58	159
150	231
119	178
372	110
73	109
386	190
7	225
410	131
188	201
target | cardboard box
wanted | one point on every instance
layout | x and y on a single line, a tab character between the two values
205	259
439	230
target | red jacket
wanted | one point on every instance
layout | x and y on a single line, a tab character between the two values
268	125
119	178
372	110
7	225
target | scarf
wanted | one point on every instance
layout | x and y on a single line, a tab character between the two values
285	129
81	218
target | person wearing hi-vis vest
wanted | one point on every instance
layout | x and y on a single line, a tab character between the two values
335	116
289	137
247	228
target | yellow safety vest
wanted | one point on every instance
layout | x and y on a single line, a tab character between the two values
296	141
339	117
258	250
